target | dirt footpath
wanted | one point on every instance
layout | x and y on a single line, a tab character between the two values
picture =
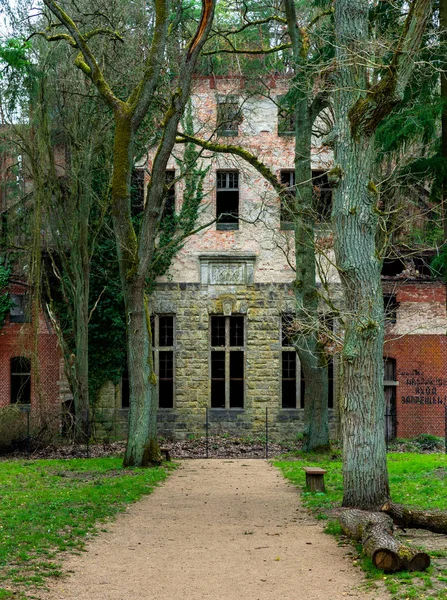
217	529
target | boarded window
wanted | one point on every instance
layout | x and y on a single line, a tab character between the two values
227	339
20	368
227	200
228	116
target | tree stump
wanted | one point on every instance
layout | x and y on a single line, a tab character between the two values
315	479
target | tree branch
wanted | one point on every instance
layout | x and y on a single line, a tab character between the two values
368	112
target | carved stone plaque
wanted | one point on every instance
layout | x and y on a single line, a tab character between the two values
227	269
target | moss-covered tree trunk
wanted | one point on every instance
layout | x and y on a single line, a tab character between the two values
311	355
359	109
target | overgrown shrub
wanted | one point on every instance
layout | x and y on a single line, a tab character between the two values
12	427
427	441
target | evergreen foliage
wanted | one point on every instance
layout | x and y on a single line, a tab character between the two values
5	301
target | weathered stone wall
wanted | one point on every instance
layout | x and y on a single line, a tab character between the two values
262	305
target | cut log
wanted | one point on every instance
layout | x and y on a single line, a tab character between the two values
403	516
375	531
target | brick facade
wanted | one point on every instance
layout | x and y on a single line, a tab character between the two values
17	339
418	344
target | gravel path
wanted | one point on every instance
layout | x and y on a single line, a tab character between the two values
217	529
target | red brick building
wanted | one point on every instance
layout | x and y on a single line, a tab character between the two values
416	357
30	368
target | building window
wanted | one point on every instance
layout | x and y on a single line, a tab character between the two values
390	306
390	384
169	207
20	312
227	200
287	199
286	117
228	116
20	380
163	333
322	196
293	386
227	361
137	192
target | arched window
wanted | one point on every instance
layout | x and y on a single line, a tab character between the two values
20	380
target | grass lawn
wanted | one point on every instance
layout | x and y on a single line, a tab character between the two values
51	506
418	480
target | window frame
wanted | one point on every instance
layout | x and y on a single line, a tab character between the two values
21	375
227	120
287	195
157	349
289	348
227	225
22	308
227	349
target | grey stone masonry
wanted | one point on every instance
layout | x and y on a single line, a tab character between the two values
193	304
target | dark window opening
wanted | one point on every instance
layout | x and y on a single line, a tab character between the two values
392	267
330	376
20	380
217	379
166	379
125	390
228	116
286	117
287	329
289	379
293	388
169	207
217	331
20	312
227	362
137	192
236	379
166	331
227	200
237	331
390	383
390	306
322	195
287	199
163	340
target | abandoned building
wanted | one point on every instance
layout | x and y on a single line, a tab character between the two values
220	340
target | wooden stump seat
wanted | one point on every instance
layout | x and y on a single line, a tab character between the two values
315	479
